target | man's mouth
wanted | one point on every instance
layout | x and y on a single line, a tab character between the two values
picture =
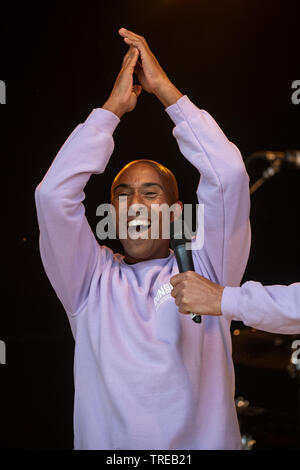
138	226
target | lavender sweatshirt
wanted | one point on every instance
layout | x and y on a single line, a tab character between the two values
271	308
146	376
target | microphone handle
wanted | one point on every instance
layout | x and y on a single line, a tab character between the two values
185	263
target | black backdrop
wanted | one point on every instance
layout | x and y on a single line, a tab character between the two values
235	59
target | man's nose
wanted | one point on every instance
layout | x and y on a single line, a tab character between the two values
137	207
137	203
136	199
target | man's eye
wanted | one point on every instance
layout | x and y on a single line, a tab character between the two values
122	195
151	194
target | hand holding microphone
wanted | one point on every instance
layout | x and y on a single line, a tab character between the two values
192	292
195	293
184	260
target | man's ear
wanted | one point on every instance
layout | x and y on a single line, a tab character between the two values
176	214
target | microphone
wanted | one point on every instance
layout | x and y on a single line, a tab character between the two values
292	157
183	256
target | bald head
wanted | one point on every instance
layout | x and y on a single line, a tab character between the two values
168	180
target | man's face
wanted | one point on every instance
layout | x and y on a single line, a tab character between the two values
140	186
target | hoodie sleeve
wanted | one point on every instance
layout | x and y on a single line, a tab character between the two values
68	247
222	246
275	309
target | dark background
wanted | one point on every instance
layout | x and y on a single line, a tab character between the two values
236	59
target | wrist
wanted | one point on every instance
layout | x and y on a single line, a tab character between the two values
113	108
219	300
167	93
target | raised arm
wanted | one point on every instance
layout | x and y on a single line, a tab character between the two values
69	251
224	183
223	194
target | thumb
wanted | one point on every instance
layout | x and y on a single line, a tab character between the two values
137	89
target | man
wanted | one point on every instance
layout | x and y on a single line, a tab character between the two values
146	377
275	309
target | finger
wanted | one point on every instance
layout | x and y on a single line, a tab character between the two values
132	41
180	307
127	33
183	306
183	310
132	58
176	290
130	52
176	279
127	55
140	43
